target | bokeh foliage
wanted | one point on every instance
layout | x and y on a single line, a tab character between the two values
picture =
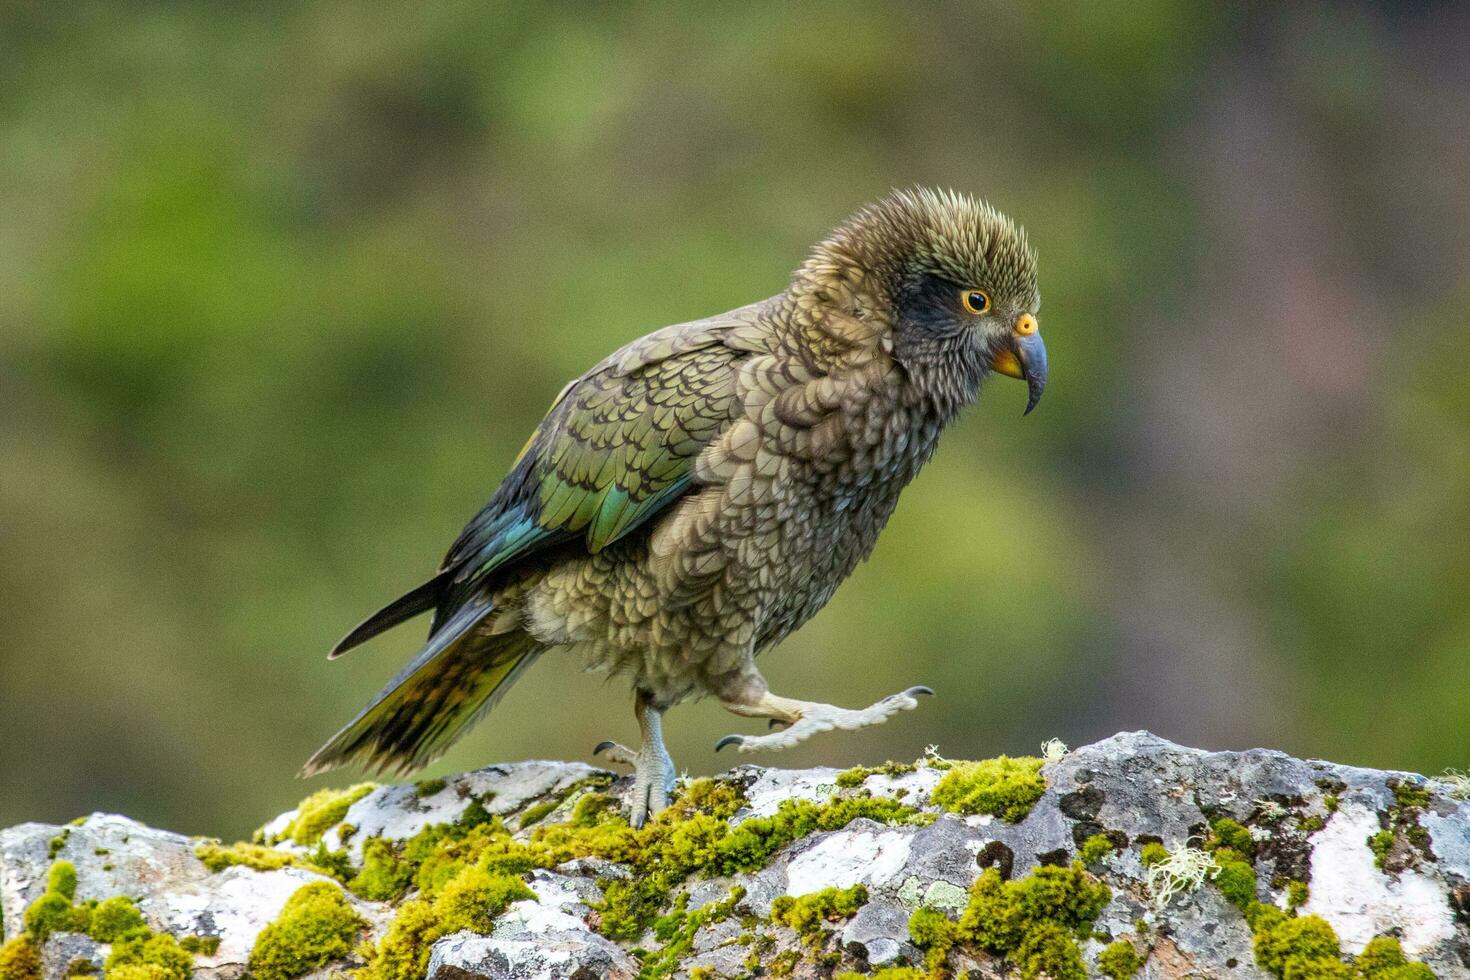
284	287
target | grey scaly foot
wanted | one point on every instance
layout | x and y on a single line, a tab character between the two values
814	718
653	770
653	777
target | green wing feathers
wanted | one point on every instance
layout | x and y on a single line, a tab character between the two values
617	447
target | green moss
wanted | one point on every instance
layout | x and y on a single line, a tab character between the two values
200	945
1002	786
1119	960
316	926
1410	794
56	843
887	973
1312	824
1296	894
217	857
1330	802
1033	923
1229	833
147	955
114	918
1383	959
856	776
384	877
1298	945
806	913
53	911
470	899
428	787
1153	853
1236	879
20	959
535	814
1049	952
590	807
321	811
677	930
1095	848
1379	844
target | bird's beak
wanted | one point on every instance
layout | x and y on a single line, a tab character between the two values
1023	355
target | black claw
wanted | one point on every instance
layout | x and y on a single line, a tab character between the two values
603	747
918	689
729	740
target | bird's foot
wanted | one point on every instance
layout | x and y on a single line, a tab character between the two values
653	777
813	718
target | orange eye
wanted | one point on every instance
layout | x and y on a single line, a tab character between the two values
976	301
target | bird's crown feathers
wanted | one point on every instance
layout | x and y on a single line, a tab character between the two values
921	230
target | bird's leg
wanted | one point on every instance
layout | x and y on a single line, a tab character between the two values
803	719
653	770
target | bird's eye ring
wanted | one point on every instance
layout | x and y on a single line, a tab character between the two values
976	301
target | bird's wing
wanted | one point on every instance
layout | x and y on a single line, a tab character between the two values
617	446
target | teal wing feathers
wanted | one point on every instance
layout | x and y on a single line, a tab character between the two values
616	448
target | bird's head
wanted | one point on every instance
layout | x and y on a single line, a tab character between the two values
953	278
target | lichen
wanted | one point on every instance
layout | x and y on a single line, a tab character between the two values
1005	787
1119	960
316	926
806	913
1456	783
887	973
1054	750
1173	872
321	811
1033	923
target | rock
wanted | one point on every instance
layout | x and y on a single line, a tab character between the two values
712	901
561	954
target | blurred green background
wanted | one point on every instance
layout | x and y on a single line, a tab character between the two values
284	287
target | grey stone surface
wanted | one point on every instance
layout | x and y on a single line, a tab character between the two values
1310	821
552	954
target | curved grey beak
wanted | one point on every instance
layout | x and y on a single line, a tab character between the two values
1024	358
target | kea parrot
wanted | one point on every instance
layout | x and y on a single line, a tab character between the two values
699	494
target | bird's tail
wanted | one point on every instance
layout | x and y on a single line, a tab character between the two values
455	679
